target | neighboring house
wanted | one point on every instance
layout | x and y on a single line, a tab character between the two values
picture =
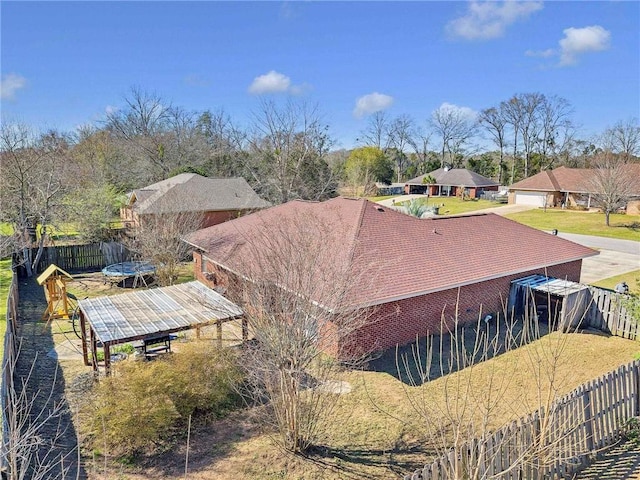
216	199
570	187
415	269
453	182
390	189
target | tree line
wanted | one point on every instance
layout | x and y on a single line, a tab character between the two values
287	151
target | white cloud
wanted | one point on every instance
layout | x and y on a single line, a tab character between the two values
272	82
460	112
577	41
485	20
10	84
371	103
110	109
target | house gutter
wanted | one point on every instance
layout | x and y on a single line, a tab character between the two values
407	296
420	293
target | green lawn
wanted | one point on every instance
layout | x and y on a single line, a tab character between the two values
5	228
5	282
632	279
452	205
622	226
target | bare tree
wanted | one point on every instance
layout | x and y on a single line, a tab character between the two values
530	124
297	296
494	121
455	128
31	186
288	152
556	129
401	137
158	239
376	133
155	136
225	144
613	183
512	111
624	138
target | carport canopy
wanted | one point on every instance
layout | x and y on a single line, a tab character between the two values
146	313
575	296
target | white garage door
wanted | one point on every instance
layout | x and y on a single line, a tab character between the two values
535	199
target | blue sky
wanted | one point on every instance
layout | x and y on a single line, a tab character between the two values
64	64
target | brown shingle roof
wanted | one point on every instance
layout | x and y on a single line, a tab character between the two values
562	179
190	192
405	256
459	177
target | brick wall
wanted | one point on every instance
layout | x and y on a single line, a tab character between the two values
398	323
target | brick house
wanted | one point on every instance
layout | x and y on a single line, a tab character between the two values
416	268
453	182
571	187
216	199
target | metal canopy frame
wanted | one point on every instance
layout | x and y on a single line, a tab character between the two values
551	285
574	298
147	313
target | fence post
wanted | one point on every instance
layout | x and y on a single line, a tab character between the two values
588	425
636	385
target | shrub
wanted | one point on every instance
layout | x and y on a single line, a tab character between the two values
144	404
201	379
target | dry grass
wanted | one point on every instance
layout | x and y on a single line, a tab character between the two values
377	434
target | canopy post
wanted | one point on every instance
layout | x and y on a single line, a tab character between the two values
83	328
107	360
94	350
219	330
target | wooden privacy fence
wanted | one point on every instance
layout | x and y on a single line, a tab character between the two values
8	364
548	444
78	258
607	313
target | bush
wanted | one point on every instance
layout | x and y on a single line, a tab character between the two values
144	404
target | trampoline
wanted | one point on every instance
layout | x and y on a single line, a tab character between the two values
120	272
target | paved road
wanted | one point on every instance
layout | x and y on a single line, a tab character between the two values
613	244
615	258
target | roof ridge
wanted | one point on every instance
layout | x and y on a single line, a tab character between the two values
352	247
553	179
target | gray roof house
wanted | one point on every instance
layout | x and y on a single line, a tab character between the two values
451	182
217	199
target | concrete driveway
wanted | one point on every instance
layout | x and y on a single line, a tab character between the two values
616	256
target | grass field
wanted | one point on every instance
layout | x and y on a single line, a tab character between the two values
632	279
452	205
5	282
586	223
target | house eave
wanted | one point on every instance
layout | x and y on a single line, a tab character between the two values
420	293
